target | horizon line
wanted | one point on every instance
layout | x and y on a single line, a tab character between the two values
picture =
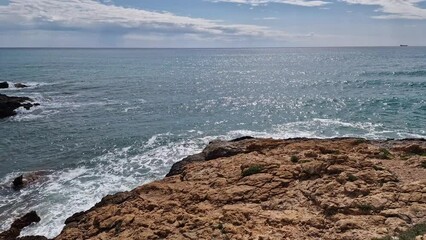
385	46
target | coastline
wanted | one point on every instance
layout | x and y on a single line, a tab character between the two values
101	130
341	188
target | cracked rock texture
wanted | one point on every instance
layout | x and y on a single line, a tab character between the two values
272	189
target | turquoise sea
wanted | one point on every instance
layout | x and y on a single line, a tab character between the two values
113	119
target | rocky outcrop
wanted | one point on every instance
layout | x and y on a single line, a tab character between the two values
19	224
272	189
16	85
20	85
27	179
4	85
219	149
8	105
18	183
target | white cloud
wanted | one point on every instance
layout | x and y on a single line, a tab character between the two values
88	15
395	9
270	18
267	18
304	3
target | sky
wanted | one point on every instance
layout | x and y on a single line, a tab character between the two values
211	23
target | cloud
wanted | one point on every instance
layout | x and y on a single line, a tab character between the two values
92	16
304	3
270	18
395	9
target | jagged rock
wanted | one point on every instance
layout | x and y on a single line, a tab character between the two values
4	85
108	200
9	104
219	149
28	179
338	190
20	85
18	183
18	225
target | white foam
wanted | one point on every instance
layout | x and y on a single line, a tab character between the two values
73	190
327	128
50	106
47	107
30	85
130	108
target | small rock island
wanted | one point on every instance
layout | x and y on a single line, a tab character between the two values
8	105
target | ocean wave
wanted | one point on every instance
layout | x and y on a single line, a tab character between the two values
414	73
73	190
327	128
30	85
53	105
47	107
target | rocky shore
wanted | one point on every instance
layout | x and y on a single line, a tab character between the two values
273	189
16	85
8	105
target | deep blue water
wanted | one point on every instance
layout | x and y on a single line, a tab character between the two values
113	119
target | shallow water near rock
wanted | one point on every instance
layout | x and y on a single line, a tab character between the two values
111	119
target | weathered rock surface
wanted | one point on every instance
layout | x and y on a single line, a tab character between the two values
8	105
271	189
217	149
19	224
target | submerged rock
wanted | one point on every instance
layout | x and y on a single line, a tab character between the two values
19	224
8	105
18	183
4	85
28	179
20	85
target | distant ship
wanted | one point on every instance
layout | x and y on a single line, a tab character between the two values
403	45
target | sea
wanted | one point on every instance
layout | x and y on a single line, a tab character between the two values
110	120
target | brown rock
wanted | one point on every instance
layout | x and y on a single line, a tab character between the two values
206	196
348	224
423	237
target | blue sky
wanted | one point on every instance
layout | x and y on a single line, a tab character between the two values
211	23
